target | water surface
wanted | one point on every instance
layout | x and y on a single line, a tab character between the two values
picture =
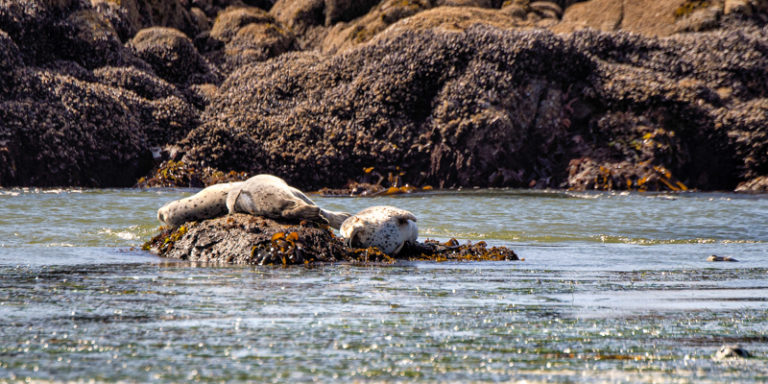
613	288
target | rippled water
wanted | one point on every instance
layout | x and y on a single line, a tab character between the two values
613	288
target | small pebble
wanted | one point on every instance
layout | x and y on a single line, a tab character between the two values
720	258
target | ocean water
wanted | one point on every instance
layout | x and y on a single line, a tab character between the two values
614	287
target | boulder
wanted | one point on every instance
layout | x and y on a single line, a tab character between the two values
172	56
231	20
454	104
67	132
757	185
246	239
141	14
299	15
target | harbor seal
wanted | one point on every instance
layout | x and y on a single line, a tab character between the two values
271	196
387	228
209	203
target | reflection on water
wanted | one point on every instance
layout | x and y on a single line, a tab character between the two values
614	288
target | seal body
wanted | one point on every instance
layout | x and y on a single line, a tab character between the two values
271	196
208	203
387	228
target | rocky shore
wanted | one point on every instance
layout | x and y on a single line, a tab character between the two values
246	239
597	94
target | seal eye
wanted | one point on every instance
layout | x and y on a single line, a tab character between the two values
402	221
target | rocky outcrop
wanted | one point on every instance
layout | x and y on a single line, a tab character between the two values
493	107
247	35
77	107
245	239
172	56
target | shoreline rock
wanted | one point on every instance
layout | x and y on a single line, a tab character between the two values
246	239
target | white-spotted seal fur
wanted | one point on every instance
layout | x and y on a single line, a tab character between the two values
271	196
387	228
209	203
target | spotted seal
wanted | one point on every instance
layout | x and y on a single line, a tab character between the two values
271	196
209	203
387	228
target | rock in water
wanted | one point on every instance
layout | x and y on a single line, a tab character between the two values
246	239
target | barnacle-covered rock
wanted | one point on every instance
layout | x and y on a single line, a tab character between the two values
246	239
140	14
173	56
249	35
77	108
65	131
757	185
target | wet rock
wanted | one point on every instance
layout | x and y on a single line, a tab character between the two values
731	352
587	174
757	185
246	239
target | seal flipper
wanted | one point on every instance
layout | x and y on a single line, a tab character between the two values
232	196
305	212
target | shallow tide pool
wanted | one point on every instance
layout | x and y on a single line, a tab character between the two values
612	288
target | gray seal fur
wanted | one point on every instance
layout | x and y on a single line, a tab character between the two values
271	196
209	203
385	227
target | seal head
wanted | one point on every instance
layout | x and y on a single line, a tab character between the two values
385	227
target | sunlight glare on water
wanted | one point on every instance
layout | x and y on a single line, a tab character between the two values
614	288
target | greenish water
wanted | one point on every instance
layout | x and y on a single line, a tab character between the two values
613	288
